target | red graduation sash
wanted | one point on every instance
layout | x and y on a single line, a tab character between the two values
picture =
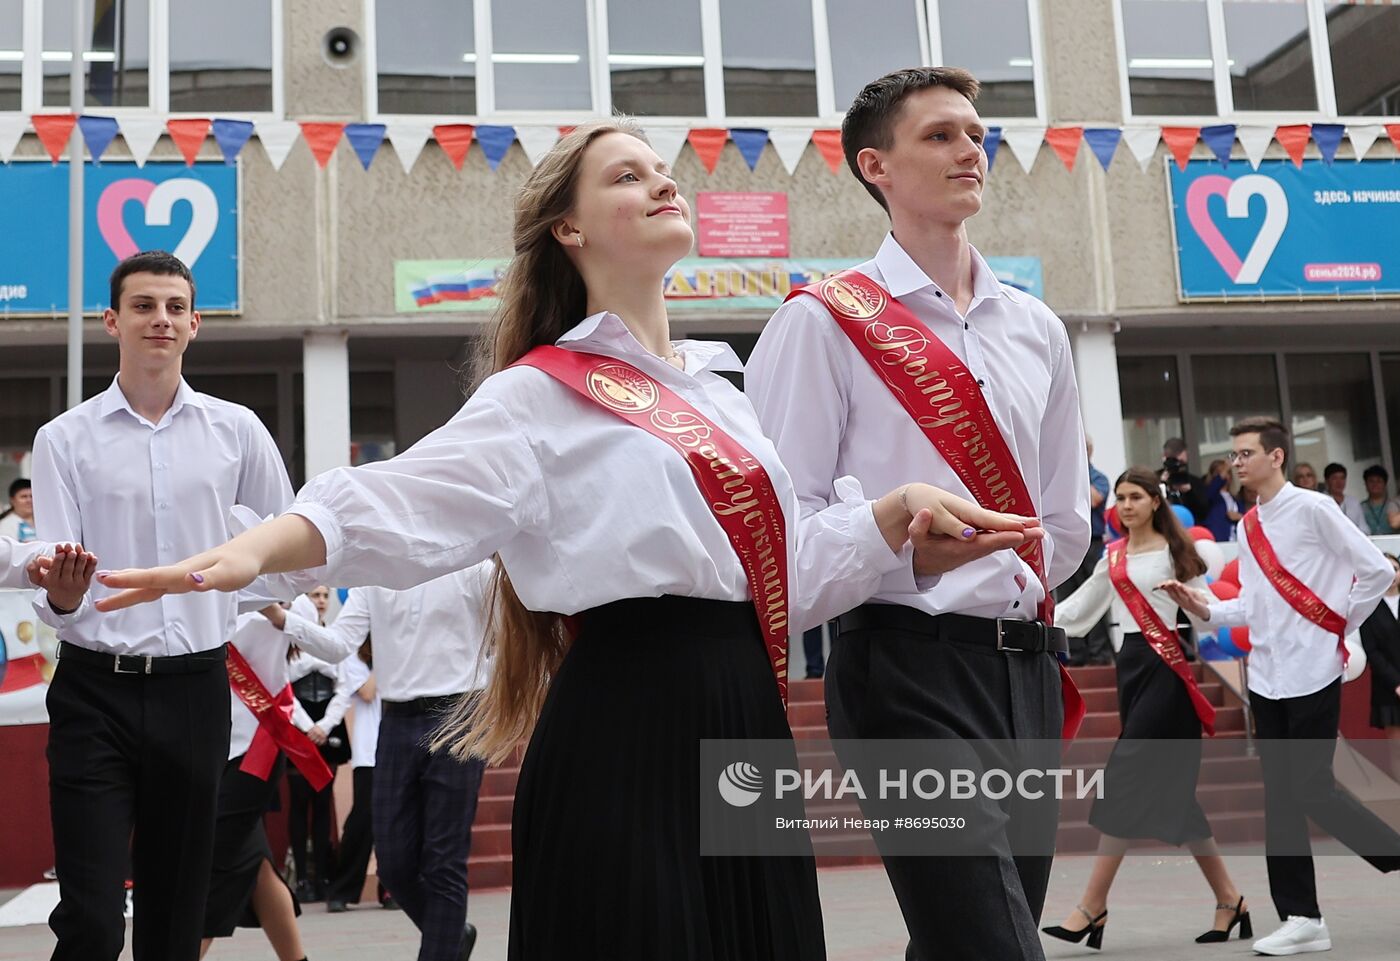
1161	636
1298	595
736	486
941	395
275	728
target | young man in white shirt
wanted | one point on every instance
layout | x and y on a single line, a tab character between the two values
427	657
1297	541
144	473
914	663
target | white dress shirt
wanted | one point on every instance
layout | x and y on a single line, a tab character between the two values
14	558
1291	656
830	415
318	654
364	714
139	494
1079	612
583	507
427	638
13	527
264	647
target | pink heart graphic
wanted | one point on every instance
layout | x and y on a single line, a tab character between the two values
110	207
1198	212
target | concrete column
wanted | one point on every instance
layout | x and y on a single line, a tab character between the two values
1096	369
326	379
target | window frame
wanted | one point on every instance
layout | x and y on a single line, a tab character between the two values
32	72
926	12
1225	112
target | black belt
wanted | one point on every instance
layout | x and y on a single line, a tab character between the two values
1000	633
418	706
141	663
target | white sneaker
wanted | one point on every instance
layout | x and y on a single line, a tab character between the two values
1297	936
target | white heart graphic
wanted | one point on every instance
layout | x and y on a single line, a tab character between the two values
204	219
1275	220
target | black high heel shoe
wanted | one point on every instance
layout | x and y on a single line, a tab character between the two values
1094	931
1216	936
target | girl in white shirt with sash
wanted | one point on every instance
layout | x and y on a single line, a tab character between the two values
1151	775
625	628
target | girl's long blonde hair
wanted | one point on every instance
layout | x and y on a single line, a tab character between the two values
542	295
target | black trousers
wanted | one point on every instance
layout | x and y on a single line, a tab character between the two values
424	805
1297	738
303	800
356	842
889	683
1095	647
134	768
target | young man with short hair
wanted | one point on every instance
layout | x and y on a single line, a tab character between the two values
18	522
1381	511
970	655
143	474
1308	577
1334	483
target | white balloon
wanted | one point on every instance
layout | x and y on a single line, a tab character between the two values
1356	658
1214	557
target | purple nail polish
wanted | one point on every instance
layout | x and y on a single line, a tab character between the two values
198	578
968	532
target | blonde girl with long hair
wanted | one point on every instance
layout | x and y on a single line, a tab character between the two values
623	625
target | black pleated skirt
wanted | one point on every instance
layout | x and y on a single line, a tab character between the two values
1150	779
605	836
240	847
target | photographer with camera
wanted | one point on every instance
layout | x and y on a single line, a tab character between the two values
1181	486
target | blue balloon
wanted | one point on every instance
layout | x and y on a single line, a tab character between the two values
1227	646
1211	651
1183	514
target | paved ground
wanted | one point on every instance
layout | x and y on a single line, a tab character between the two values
1159	905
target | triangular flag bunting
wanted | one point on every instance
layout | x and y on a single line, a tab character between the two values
1363	135
829	143
322	138
98	134
455	139
1255	141
1180	141
1142	143
1294	139
1392	130
536	141
1328	137
12	127
54	130
1103	141
1025	144
990	143
364	139
790	143
750	141
188	134
495	142
1220	138
141	134
408	138
666	141
1065	142
231	136
708	144
277	138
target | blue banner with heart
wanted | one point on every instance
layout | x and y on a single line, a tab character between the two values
190	211
1284	232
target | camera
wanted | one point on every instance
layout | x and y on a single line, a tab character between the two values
1174	472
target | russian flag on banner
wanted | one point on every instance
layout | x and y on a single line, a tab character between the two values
455	287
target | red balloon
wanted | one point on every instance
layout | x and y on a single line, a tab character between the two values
1199	533
1111	517
1239	636
1231	573
1225	590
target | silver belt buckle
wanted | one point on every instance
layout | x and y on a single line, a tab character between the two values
1001	636
117	664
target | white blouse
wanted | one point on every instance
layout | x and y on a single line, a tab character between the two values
583	507
1079	612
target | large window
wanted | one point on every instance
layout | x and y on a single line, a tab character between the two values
1208	58
1151	396
1228	388
717	59
1333	402
162	56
